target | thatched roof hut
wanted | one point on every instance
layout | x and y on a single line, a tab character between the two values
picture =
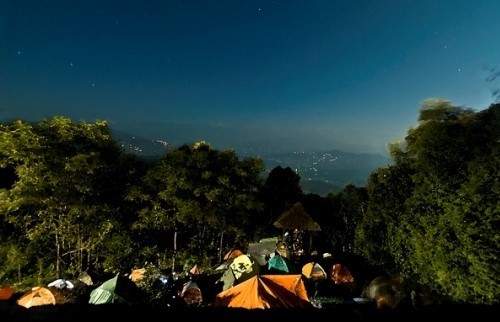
297	218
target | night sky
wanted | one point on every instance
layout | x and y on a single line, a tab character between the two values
332	74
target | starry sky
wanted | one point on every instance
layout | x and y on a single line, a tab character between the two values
311	75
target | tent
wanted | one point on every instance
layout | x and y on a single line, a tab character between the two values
386	291
6	292
195	270
341	275
85	278
263	250
61	284
280	265
191	293
137	274
313	271
265	292
233	253
115	290
228	279
228	258
37	296
244	267
241	268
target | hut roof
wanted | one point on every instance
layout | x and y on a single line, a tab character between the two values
297	218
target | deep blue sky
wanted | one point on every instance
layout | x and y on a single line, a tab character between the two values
349	75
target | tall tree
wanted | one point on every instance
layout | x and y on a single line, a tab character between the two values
280	192
202	196
438	211
63	200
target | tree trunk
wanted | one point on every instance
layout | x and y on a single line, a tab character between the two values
220	247
58	256
175	251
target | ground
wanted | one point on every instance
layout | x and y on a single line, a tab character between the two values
338	312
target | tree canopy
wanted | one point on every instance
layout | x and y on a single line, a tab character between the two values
434	214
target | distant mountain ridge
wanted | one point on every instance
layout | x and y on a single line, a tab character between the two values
140	146
321	172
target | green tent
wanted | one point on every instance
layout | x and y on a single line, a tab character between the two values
118	289
280	265
228	279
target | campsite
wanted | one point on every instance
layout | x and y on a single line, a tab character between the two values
240	289
202	232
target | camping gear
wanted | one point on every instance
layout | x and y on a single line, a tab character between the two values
191	293
195	270
233	253
386	291
265	292
280	265
61	284
137	274
6	292
263	250
118	289
342	275
37	296
228	279
313	271
85	278
244	267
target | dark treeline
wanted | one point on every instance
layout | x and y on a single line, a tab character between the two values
72	200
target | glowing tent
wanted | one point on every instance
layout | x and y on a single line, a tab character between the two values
266	292
313	271
37	296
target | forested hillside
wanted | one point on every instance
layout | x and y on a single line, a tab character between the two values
72	200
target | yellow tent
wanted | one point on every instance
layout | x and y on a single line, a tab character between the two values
244	267
37	296
313	271
137	274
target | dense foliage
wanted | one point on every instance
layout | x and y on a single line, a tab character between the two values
71	201
434	215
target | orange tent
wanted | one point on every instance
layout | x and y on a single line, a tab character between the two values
37	296
137	274
265	292
6	292
341	275
233	253
195	270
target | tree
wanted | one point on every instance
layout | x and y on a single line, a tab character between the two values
434	214
280	192
202	195
350	208
62	201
